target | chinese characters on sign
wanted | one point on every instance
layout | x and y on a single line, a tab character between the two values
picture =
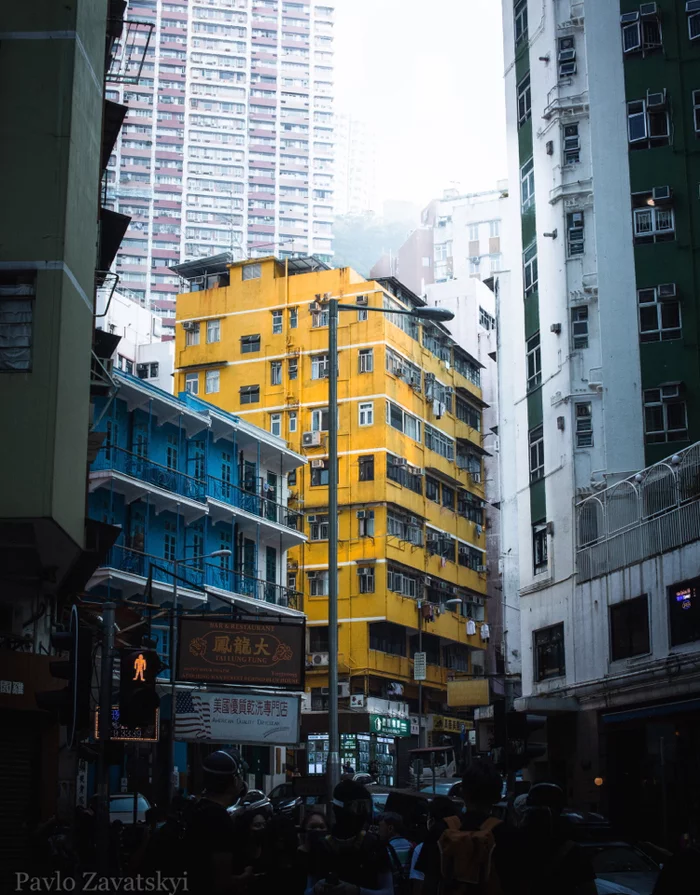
420	668
243	718
274	708
225	652
393	727
15	688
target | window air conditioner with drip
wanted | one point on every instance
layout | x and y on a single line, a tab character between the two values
190	325
311	439
481	568
475	477
312	519
362	514
401	461
361	300
666	291
319	659
317	464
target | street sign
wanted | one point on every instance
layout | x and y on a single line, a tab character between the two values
124	784
392	727
420	666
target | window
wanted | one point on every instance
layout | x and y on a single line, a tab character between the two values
438	543
319	473
211	381
319	318
293	318
365	523
468	414
549	652
192	334
432	489
398	471
276	323
641	34
366	413
494	229
473	231
530	273
252	271
566	57
534	362
448	497
213	330
659	314
249	394
404	422
579	327
292	368
527	185
320	366
318	584
648	122
366	360
366	468
520	20
276	424
524	100
665	415
584	424
171	452
192	383
684	612
572	145
387	638
470	507
486	320
153	370
362	315
318	528
574	234
693	21
405	527
276	372
292	421
536	439
539	547
250	344
402	583
399	366
629	628
365	578
653	216
696	105
292	478
437	441
319	419
318	639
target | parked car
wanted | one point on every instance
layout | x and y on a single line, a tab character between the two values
121	807
253	802
284	801
603	887
623	865
451	787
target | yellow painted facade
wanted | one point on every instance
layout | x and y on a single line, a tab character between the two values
262	337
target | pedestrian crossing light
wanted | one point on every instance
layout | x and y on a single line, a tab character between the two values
138	699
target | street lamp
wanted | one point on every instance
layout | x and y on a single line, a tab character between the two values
173	708
433	314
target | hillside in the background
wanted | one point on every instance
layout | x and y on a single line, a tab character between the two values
361	239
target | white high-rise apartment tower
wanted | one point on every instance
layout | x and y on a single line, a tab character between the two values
356	166
228	140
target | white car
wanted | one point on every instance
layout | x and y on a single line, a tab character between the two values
121	808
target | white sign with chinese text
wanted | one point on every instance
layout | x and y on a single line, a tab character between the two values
237	718
420	670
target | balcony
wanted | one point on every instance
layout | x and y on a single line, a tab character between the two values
256	503
655	511
195	581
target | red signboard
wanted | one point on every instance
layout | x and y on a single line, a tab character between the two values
241	652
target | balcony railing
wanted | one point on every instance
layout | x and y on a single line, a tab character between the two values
654	511
206	574
138	467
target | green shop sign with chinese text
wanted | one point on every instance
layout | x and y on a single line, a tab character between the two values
389	727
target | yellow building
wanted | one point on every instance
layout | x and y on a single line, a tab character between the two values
411	493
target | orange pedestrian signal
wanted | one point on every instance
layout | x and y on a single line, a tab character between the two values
138	697
140	666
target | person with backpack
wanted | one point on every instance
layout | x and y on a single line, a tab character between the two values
479	854
399	848
350	861
425	871
551	862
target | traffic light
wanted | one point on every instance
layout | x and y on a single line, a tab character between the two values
138	700
71	705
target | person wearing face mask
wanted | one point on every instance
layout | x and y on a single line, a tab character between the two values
350	861
250	831
313	830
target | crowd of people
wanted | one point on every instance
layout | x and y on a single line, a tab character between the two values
464	851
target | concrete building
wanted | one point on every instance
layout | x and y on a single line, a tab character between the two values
141	350
181	479
355	166
55	242
411	499
228	143
599	373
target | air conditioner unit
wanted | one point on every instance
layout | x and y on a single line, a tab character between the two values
550	147
317	464
426	580
479	530
311	439
361	514
357	701
315	306
312	519
319	659
344	689
567	55
292	565
669	392
190	325
481	568
401	461
666	291
477	669
656	100
661	193
555	328
361	300
648	9
475	477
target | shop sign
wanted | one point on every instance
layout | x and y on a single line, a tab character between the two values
245	652
395	727
483	713
468	692
415	729
206	717
420	666
451	725
120	733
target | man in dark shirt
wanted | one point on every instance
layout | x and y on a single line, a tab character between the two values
210	839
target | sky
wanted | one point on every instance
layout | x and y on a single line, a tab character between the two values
427	75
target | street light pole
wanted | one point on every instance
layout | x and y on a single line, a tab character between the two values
434	314
333	768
